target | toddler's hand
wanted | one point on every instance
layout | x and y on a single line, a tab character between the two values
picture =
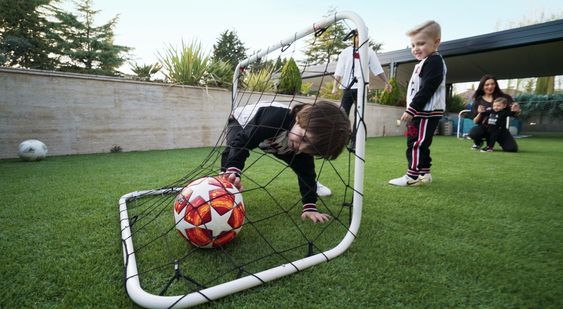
406	117
515	107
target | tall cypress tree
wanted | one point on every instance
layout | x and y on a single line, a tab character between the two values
87	48
290	78
26	39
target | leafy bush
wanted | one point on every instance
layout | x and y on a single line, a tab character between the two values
373	95
456	104
220	74
397	97
306	88
550	104
145	71
326	92
290	78
259	81
116	149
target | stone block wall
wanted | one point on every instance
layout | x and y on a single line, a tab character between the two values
79	114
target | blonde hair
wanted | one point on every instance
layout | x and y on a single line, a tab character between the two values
430	28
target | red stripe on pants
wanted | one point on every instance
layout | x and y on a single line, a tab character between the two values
416	145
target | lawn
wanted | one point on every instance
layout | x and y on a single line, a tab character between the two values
488	232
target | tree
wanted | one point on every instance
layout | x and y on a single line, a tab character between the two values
86	48
280	63
290	78
545	85
26	39
229	48
327	46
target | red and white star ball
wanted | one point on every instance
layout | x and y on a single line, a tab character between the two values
209	212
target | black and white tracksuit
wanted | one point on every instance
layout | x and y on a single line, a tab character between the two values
496	126
266	127
426	102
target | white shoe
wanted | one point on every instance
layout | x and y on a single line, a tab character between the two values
405	181
323	190
426	179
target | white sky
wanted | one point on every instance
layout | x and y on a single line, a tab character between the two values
150	26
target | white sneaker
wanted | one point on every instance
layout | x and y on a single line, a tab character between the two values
323	190
405	181
426	179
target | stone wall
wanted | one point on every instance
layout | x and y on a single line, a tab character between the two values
79	114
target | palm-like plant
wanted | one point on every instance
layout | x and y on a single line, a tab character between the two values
260	81
220	74
326	92
145	71
187	65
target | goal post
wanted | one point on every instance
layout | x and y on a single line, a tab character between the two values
150	300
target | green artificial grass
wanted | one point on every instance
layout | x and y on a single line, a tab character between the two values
488	232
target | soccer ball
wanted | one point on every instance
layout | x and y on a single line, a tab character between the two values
209	212
32	150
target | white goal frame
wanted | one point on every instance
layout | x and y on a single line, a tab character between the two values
145	299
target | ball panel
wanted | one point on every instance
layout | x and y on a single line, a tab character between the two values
222	201
198	215
237	217
224	238
180	203
199	237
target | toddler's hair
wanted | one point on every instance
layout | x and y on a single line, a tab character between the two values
327	126
501	100
430	28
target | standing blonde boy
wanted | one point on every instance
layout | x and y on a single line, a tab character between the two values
426	102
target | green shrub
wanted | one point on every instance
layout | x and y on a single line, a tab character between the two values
116	149
456	104
145	71
260	81
220	74
306	88
373	95
549	104
326	92
397	97
290	78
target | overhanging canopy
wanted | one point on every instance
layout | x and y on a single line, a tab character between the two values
530	51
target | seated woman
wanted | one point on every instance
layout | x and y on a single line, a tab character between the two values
487	91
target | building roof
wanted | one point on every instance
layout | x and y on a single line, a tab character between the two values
530	51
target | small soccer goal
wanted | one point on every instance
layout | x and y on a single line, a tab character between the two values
198	238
